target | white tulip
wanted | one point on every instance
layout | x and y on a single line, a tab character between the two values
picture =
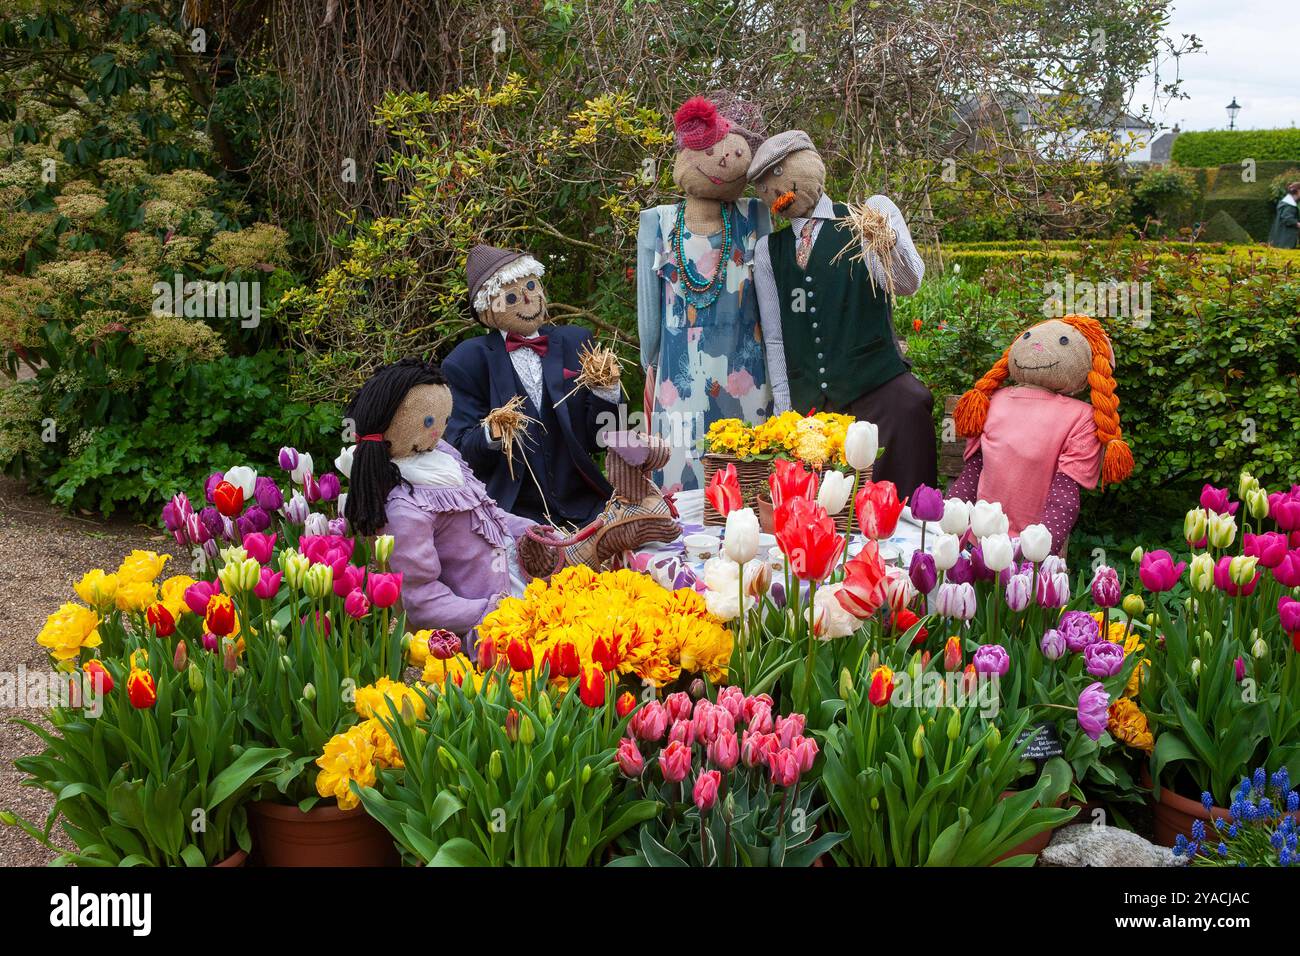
1035	542
316	523
861	442
834	492
740	541
998	552
305	467
344	461
243	478
956	517
945	550
987	518
343	503
831	619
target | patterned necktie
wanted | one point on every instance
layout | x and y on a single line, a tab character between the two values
804	248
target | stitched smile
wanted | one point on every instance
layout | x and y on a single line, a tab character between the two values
719	182
1035	368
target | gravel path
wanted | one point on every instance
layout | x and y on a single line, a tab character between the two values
43	552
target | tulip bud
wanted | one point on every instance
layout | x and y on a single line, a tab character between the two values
1194	525
407	711
295	566
875	804
1195	668
181	657
697	689
1151	620
729	807
318	582
286	664
586	773
195	678
918	742
527	732
281	640
446	759
512	723
239	671
383	549
494	765
846	684
1259	650
309	691
1257	503
1137	554
228	659
995	738
954	725
1246	484
1134	605
550	780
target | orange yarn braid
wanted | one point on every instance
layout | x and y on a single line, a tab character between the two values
1118	461
973	408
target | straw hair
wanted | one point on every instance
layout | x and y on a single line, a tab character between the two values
872	233
1117	464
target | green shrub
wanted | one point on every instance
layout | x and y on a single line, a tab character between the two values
1220	147
1223	228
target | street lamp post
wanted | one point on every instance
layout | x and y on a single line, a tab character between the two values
1233	109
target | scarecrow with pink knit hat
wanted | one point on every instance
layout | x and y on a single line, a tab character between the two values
701	340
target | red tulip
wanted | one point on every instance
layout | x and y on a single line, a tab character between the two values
160	619
512	725
952	654
591	686
141	690
790	480
384	589
565	662
625	704
878	508
520	655
864	588
487	655
882	686
605	653
808	538
228	498
219	617
101	681
723	491
904	621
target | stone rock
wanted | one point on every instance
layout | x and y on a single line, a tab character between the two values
1087	844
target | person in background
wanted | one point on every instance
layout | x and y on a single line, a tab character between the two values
1286	225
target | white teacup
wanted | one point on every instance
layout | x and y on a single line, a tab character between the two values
701	547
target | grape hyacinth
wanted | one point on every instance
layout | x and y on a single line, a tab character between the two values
1257	831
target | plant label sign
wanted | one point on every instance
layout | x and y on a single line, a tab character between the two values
1043	742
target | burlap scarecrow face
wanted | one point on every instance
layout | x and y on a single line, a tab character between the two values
419	421
792	187
715	172
1052	355
518	306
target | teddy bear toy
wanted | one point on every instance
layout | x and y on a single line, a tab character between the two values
1031	445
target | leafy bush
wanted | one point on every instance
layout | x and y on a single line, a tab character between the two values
1219	147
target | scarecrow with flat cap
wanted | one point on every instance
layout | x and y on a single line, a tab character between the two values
825	289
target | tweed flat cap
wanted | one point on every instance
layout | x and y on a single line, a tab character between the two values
776	149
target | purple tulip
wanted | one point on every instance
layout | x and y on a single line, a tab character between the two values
209	641
956	600
339	526
1093	710
991	659
268	494
1216	500
211	549
213	522
777	593
195	529
1103	659
296	509
1018	588
922	572
1080	630
1159	572
311	488
1105	587
328	484
172	519
963	572
927	503
288	458
1053	645
981	571
214	479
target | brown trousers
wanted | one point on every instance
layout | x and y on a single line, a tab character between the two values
903	410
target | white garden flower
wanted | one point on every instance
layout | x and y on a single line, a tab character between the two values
1035	542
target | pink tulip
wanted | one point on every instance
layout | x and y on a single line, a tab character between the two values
1216	500
787	728
348	578
197	595
629	758
259	545
675	761
710	720
679	706
1270	547
649	723
754	747
805	749
326	549
682	731
384	589
732	698
784	767
1159	572
1288	612
761	721
1284	508
1239	669
753	703
1287	572
724	751
705	791
355	605
268	583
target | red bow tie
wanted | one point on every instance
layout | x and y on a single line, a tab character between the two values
516	341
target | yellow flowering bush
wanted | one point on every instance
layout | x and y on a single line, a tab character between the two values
619	617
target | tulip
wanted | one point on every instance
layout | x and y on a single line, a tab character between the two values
228	498
991	659
384	589
864	583
956	601
383	549
1288	613
288	458
861	445
630	762
1284	509
100	680
1246	483
723	491
877	507
1259	649
956	517
1195	524
1159	572
1257	503
1053	645
805	751
1221	530
1287	572
1035	543
679	706
760	719
1216	500
1242	569
740	541
963	571
1239	669
180	657
197	594
625	704
591	686
682	731
318	582
239	576
1053	589
922	572
174	516
1018	591
295	510
1103	659
1194	668
141	689
1270	548
303	469
520	655
918	742
649	723
1093	710
724	750
344	460
1105	586
1239	582
355	605
808	539
527	730
784	767
160	619
268	584
260	546
675	762
899	592
987	518
952	654
947	548
705	791
566	662
835	490
219	616
1134	605
1136	555
881	687
210	486
997	552
927	504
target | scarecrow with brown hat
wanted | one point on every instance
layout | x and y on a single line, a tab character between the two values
825	289
523	418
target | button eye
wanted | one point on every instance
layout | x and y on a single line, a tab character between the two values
1025	336
531	285
777	170
1064	340
428	421
511	298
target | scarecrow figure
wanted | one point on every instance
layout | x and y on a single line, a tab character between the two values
1031	446
828	318
523	419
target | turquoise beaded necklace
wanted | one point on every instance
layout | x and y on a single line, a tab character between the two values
698	291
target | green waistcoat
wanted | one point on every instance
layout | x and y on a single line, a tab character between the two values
839	330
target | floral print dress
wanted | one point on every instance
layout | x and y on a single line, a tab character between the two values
708	362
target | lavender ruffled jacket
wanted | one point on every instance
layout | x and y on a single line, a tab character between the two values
450	546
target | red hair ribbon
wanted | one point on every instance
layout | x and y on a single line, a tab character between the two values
376	436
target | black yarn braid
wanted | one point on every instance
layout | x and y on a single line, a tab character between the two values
371	411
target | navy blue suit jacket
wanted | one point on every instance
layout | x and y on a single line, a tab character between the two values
482	378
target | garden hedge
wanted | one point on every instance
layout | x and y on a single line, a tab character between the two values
1220	147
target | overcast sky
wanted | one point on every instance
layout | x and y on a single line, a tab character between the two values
1250	50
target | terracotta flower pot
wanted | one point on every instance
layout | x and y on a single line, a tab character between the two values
1035	844
238	858
1173	814
766	519
323	836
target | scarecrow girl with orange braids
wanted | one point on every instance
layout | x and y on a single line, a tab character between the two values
1031	446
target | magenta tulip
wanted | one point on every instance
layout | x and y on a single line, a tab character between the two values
268	584
260	546
1159	572
384	589
355	605
1216	500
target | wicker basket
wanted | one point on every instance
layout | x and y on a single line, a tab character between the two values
843	520
752	477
